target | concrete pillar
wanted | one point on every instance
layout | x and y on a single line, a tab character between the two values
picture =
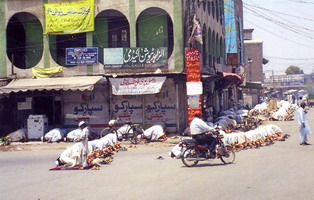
3	42
132	23
178	34
89	43
46	53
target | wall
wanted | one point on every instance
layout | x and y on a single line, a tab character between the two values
90	106
130	8
254	70
149	109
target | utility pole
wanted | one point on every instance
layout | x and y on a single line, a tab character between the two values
272	71
249	60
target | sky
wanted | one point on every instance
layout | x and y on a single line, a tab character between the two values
286	28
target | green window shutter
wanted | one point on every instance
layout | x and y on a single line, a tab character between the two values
33	43
100	36
153	31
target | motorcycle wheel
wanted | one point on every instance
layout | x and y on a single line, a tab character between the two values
189	157
229	155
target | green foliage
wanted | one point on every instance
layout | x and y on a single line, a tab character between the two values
5	140
293	70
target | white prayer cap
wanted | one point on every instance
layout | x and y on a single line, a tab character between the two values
112	122
81	123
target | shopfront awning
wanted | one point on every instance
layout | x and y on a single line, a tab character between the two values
230	78
60	83
253	85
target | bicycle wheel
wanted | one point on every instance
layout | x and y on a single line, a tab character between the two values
135	134
105	131
131	135
189	157
228	155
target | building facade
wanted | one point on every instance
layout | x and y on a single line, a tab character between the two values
122	27
254	61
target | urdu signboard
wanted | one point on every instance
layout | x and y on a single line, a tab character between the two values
82	56
69	17
142	57
194	84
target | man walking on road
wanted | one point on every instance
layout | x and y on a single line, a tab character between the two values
303	125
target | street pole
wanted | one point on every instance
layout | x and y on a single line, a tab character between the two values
272	71
249	60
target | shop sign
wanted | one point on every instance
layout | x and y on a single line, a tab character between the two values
82	56
194	84
147	109
142	57
136	86
194	88
232	59
90	106
193	65
24	105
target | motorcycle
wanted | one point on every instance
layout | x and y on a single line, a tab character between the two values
195	152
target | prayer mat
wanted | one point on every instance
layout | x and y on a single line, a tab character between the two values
69	168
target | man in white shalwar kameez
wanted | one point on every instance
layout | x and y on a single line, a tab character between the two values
304	128
73	135
155	132
84	140
19	135
54	135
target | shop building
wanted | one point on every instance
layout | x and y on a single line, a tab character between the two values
122	28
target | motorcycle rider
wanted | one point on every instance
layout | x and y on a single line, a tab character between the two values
200	131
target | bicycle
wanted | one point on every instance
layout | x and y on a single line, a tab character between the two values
132	132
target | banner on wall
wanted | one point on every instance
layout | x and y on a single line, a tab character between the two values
69	17
136	86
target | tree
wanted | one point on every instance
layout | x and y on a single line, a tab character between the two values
293	70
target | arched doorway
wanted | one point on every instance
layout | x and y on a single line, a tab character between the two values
59	43
24	40
112	30
155	29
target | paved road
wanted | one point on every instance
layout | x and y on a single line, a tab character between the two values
280	171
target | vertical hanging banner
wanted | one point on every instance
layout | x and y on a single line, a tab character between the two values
193	65
69	17
194	84
230	27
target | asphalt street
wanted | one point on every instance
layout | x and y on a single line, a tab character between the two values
283	170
